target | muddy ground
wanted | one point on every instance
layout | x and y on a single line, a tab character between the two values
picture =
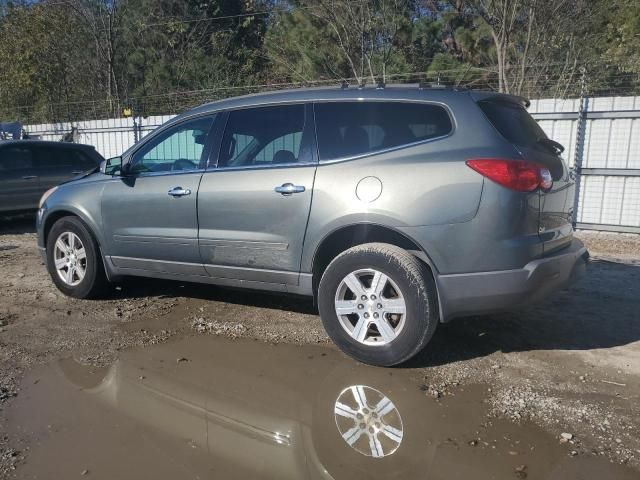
571	365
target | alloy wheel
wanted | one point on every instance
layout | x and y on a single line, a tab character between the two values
70	258
370	307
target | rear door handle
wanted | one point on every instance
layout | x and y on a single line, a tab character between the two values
289	188
77	172
29	177
179	192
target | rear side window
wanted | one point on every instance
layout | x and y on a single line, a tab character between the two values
54	157
263	136
348	129
513	122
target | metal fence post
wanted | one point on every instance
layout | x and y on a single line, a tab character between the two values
135	129
580	140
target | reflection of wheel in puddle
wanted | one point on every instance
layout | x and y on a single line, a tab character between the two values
368	421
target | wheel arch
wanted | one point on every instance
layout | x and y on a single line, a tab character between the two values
55	215
345	237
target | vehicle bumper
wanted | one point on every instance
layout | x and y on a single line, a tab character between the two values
43	254
40	231
485	292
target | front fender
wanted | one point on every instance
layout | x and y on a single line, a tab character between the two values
80	200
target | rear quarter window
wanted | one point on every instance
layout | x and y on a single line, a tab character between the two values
513	122
347	129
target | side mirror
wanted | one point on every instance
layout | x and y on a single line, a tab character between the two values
111	166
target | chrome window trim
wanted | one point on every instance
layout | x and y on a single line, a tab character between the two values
383	151
388	149
265	167
214	168
163	173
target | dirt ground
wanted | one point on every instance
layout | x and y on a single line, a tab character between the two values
570	365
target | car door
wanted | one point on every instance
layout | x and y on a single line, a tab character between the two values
54	165
19	187
253	204
149	216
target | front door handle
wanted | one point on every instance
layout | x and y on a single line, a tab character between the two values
289	188
179	192
29	177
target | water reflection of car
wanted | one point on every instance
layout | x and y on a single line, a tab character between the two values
286	412
28	168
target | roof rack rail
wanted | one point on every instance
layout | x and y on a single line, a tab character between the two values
427	85
439	86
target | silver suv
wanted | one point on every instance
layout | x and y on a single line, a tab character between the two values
396	208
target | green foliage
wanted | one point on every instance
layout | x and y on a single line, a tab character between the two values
90	58
623	34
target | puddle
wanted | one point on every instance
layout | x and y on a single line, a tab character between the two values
208	407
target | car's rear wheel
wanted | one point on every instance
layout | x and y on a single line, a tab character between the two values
378	303
73	259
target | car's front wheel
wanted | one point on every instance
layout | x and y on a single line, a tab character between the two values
73	259
378	303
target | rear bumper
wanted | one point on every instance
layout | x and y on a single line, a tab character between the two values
484	292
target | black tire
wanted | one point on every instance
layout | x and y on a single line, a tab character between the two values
94	283
416	285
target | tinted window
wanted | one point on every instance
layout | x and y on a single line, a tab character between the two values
354	128
83	161
513	122
15	158
68	159
178	148
54	157
263	136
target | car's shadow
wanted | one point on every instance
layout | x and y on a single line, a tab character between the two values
17	224
601	311
139	287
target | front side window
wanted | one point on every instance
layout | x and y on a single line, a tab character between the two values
263	136
178	149
347	129
15	158
82	161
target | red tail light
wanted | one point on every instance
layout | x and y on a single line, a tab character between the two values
518	175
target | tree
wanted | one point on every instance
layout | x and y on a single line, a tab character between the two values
530	44
623	34
364	40
42	59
